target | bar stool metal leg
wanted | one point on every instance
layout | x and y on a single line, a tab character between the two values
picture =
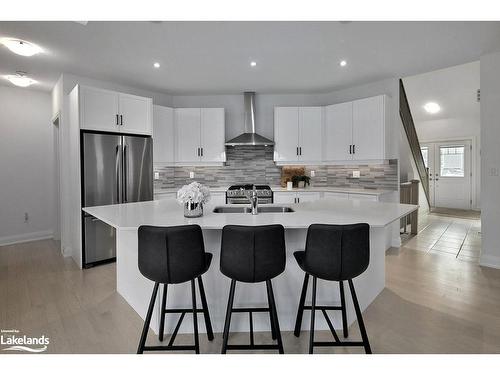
300	311
343	306
206	315
274	314
228	316
195	319
359	316
162	312
147	321
271	319
313	311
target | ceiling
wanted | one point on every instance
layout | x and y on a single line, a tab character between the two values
214	57
454	89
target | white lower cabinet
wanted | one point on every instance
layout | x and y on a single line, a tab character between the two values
296	197
328	194
284	197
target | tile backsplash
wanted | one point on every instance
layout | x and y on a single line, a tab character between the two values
254	164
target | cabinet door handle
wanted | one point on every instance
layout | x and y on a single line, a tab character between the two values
117	120
121	119
300	151
297	151
198	151
350	149
202	152
353	149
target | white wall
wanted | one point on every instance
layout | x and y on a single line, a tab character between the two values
26	165
490	160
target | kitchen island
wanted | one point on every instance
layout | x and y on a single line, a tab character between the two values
136	289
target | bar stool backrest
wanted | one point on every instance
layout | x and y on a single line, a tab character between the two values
171	255
337	252
252	253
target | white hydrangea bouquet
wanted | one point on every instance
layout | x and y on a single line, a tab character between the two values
193	197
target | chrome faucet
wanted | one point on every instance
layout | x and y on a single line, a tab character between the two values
254	200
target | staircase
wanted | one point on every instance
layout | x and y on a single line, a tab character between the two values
411	134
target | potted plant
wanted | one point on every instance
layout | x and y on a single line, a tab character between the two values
193	197
301	181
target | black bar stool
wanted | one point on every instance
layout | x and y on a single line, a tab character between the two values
174	255
253	254
335	253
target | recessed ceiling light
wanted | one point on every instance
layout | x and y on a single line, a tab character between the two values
21	47
343	63
253	63
20	79
432	107
156	65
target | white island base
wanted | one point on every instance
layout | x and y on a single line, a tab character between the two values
136	289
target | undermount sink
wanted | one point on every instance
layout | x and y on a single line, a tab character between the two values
248	210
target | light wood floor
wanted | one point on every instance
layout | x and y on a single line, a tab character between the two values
431	304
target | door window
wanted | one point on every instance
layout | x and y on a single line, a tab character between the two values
425	155
452	161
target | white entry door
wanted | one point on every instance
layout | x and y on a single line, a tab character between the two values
449	165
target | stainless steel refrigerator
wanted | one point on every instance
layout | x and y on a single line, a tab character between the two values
115	169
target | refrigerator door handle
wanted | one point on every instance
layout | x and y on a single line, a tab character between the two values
117	174
125	173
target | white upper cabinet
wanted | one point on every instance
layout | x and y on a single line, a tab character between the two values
112	111
356	130
310	131
99	109
187	135
298	134
163	135
338	132
213	135
286	134
368	130
199	136
135	114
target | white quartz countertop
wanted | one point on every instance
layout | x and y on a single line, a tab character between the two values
276	189
167	212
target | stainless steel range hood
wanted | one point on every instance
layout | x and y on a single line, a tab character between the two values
249	137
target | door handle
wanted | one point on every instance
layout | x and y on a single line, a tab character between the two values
300	151
202	152
297	151
353	149
117	173
350	149
198	150
117	120
121	119
125	173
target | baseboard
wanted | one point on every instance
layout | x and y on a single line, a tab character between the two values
26	237
396	241
491	261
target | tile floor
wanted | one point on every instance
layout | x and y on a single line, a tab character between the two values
448	236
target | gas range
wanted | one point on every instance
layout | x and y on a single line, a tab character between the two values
236	194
